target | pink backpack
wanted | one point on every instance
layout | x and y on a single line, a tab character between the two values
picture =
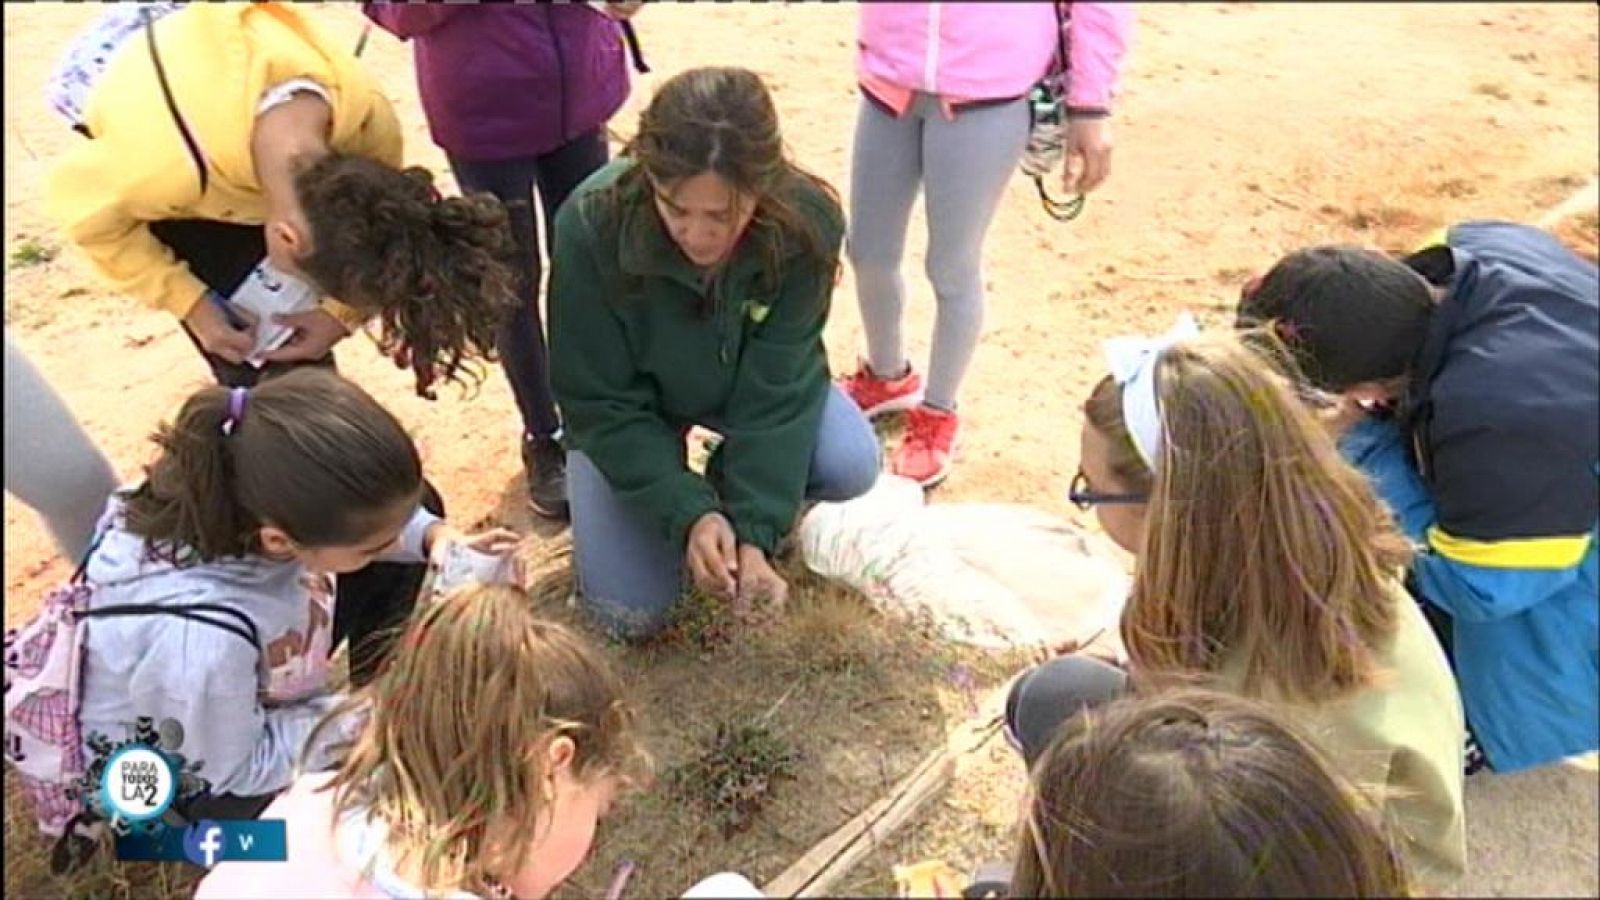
43	674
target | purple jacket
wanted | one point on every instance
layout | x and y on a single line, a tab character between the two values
500	81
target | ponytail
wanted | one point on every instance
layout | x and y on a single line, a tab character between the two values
438	272
194	480
306	452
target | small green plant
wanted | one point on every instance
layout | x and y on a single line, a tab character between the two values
31	253
733	777
702	621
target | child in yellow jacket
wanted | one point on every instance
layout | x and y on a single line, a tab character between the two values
219	135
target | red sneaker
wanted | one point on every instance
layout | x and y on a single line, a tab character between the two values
929	446
877	396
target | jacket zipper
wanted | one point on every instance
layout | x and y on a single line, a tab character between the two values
722	320
561	67
930	62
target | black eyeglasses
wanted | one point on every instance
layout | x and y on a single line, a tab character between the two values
1085	499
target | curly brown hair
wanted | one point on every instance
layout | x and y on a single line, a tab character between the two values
437	271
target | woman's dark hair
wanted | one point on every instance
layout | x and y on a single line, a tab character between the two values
437	271
723	121
1196	793
1350	315
311	454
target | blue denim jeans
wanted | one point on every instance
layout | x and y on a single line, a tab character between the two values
629	578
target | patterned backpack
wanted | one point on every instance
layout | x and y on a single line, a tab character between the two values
43	675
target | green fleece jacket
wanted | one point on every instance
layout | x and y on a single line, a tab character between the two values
642	346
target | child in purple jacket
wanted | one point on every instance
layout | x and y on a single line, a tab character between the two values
518	96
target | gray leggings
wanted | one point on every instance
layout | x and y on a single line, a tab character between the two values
963	167
1053	692
51	465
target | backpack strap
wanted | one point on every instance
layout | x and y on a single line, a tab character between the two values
241	626
80	575
172	105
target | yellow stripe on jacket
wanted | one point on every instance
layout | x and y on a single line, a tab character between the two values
219	59
1561	552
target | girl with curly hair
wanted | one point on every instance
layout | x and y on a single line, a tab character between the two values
218	136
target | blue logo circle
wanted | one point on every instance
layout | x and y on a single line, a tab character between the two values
138	783
204	843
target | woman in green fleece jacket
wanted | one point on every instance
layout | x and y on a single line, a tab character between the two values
690	283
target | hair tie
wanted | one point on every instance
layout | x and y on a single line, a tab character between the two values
1133	366
236	404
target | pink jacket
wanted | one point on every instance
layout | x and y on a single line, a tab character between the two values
984	51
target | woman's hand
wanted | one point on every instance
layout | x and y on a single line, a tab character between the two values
712	555
759	586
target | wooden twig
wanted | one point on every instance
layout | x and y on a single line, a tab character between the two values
1281	202
816	873
1586	198
767	716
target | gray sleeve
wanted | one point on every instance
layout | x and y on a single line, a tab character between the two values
50	463
243	748
409	546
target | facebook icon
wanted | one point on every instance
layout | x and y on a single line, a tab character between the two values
207	842
203	843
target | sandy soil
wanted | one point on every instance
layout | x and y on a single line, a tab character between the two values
1245	130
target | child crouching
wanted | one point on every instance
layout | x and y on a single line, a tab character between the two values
494	743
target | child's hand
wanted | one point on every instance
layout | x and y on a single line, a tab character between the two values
499	542
1088	155
1102	645
495	541
1342	416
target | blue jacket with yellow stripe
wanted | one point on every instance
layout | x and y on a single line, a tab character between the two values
1494	468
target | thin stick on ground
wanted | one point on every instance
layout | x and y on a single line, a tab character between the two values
821	868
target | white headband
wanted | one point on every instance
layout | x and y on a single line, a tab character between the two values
1133	366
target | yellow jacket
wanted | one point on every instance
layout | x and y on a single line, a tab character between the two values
1402	741
220	58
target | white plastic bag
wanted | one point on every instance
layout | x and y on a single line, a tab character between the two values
991	575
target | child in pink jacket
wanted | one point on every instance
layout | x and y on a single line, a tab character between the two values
944	107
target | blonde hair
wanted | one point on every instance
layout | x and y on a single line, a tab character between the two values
453	756
1261	544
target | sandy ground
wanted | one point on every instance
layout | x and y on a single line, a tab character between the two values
1244	130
